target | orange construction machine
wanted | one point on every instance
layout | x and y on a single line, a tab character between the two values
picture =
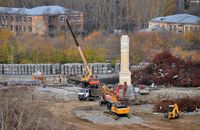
39	76
88	79
117	90
116	108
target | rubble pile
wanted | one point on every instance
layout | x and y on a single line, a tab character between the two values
169	70
184	104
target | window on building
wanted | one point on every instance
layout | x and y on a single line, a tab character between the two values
174	28
17	18
180	25
24	19
186	29
30	29
62	19
11	18
117	2
24	28
30	19
3	17
69	18
11	27
6	17
191	29
63	28
78	18
170	27
16	28
20	18
20	28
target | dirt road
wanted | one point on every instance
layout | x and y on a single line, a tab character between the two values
64	114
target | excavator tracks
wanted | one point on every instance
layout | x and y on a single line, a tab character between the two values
111	114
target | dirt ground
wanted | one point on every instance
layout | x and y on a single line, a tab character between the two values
62	105
64	113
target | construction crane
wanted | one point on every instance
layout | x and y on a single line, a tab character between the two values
88	79
172	111
116	108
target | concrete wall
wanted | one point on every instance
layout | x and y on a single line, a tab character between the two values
60	69
53	69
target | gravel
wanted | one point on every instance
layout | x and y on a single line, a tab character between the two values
99	117
65	93
170	93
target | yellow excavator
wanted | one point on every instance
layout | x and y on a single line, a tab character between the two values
88	79
172	112
115	107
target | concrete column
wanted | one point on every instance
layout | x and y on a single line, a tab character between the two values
125	74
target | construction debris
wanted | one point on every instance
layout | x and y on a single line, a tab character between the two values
184	104
169	71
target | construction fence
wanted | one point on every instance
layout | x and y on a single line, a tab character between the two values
53	69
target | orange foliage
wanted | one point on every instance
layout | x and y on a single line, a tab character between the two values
92	36
5	35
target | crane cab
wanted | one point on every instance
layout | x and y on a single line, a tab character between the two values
94	82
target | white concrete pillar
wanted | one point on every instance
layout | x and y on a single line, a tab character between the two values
125	74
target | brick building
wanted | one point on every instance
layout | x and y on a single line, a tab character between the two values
41	20
179	23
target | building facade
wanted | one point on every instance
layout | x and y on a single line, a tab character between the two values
41	20
179	23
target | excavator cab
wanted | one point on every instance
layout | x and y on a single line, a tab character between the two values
172	112
116	108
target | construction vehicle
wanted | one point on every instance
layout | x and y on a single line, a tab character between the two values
125	94
40	77
120	95
89	94
115	108
172	111
87	79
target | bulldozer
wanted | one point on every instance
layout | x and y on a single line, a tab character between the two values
115	108
87	79
172	112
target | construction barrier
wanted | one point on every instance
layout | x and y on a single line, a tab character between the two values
53	69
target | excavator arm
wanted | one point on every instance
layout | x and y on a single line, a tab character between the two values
116	107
